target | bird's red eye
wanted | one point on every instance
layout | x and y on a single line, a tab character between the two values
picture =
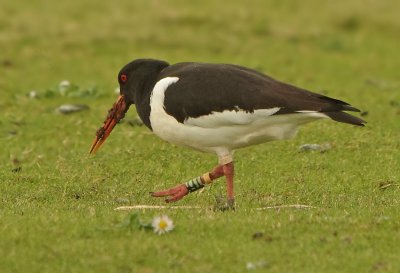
124	78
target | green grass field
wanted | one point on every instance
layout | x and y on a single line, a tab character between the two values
57	202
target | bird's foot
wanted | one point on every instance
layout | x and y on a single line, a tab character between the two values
173	194
224	205
180	191
231	204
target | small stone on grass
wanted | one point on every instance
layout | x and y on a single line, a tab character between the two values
71	108
315	147
256	265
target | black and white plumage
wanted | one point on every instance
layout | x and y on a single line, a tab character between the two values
218	108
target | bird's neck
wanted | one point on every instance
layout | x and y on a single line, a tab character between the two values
142	103
142	98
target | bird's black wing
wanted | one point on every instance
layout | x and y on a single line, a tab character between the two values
204	89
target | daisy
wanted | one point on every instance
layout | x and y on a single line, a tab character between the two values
162	224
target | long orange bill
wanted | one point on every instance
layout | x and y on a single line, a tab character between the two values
115	114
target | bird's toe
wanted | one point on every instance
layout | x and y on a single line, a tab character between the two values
173	194
224	205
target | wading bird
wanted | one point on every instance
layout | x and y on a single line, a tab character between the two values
215	108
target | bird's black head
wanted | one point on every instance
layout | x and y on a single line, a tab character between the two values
138	77
136	80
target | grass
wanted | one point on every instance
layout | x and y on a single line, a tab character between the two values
57	203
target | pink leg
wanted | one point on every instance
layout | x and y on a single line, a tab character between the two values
229	172
178	192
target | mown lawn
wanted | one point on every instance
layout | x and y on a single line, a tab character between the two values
57	203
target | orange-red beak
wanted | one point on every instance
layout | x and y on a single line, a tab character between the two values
115	114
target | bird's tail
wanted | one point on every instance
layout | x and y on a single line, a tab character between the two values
345	118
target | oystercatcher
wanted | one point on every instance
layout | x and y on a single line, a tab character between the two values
215	108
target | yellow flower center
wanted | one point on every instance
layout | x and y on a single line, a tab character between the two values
162	224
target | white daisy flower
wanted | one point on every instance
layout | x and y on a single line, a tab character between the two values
162	224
